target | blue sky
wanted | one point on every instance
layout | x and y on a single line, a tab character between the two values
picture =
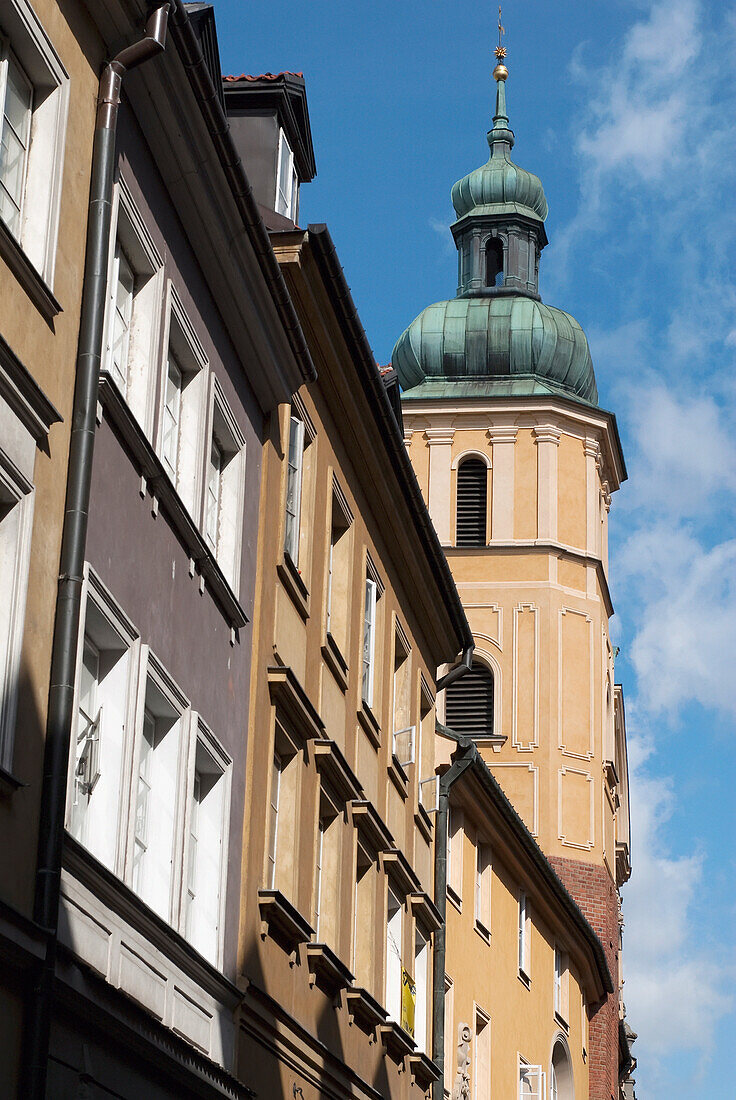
627	111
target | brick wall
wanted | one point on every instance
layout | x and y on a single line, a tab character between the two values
595	893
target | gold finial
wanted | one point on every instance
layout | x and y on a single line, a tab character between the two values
500	72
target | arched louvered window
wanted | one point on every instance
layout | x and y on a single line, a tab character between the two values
471	503
469	703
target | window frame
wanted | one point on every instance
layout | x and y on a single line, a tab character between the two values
392	997
224	432
41	65
483	893
202	737
481	1027
19	490
524	931
289	200
295	478
129	231
180	338
7	57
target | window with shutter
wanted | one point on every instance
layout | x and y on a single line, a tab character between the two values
471	518
469	703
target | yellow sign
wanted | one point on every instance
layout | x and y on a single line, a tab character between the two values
408	1001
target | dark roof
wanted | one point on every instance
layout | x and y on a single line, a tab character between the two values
286	94
202	19
207	91
381	404
551	879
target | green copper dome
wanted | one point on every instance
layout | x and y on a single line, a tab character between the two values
496	338
509	345
500	184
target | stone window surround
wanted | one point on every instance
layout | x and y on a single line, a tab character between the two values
193	729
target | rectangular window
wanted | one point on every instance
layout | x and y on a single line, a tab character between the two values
214	494
455	853
403	733
364	920
34	95
394	960
204	869
225	488
483	877
16	520
369	641
318	865
16	94
105	689
183	403
123	282
172	416
561	984
481	1056
450	1040
287	184
422	984
294	488
156	798
339	572
273	820
532	1082
524	927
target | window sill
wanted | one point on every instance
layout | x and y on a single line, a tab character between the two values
423	1070
79	863
483	932
396	1042
424	823
562	1022
525	979
9	784
364	1010
163	490
326	971
370	724
292	581
282	921
455	899
335	662
398	777
29	278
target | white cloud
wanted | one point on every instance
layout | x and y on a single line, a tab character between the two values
675	993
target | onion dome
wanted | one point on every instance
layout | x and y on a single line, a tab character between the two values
510	345
496	337
500	184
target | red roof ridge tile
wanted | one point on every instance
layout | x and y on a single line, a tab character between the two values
261	76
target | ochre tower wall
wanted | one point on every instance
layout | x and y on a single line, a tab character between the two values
536	595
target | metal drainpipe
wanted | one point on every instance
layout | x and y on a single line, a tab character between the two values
74	537
459	670
462	759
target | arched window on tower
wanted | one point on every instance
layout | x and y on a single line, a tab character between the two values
471	512
494	262
469	703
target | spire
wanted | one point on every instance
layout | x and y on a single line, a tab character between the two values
501	137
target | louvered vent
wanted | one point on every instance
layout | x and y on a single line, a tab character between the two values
469	703
471	503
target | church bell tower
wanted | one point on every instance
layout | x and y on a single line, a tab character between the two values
518	464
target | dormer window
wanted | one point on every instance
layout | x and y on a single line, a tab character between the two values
287	184
494	262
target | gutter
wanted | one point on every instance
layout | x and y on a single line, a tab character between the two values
463	758
60	718
216	121
356	339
